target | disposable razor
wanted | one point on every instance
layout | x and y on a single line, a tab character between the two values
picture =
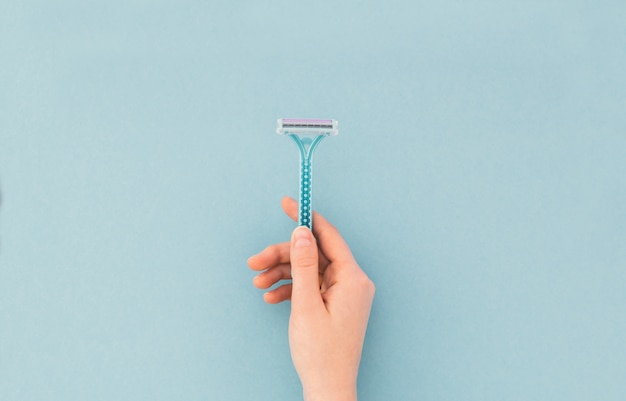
307	134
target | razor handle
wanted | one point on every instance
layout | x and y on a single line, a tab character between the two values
306	146
305	217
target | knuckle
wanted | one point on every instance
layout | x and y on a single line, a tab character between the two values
366	285
364	282
372	287
328	229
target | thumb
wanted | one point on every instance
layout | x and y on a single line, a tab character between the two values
305	292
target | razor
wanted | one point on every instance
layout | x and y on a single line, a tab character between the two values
307	134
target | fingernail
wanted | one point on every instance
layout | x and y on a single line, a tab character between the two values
301	237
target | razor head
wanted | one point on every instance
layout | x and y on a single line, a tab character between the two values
307	126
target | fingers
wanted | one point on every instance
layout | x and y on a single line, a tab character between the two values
290	206
271	256
300	261
305	293
280	294
271	276
330	241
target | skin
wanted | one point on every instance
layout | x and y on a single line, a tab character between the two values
331	298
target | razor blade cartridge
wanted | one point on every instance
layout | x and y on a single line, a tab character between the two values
306	126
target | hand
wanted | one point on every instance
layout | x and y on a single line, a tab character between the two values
331	298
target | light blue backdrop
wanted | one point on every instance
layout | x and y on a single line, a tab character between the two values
479	177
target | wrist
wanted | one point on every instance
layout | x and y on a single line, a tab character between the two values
343	394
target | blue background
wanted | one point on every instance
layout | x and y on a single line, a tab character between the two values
479	177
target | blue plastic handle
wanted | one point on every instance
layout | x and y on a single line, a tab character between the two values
306	145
